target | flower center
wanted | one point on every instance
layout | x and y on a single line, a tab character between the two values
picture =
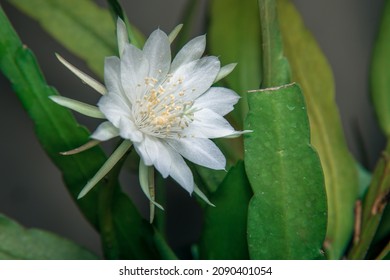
162	111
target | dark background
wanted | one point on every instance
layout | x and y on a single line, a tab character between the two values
31	189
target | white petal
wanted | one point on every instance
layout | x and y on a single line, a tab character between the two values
122	36
134	70
105	131
167	161
128	130
196	78
157	51
112	74
225	70
107	166
181	173
218	99
80	107
193	50
84	77
208	124
114	107
200	151
172	36
154	152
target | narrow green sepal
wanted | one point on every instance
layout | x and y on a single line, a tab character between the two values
80	107
224	71
107	166
172	36
84	77
144	181
199	193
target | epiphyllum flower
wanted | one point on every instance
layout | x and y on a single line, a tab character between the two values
166	109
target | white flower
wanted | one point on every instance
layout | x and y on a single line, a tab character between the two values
166	109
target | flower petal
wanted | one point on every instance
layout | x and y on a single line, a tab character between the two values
114	107
208	124
200	151
154	152
134	70
128	130
84	77
112	74
218	99
122	37
167	161
194	78
181	173
105	131
157	51
191	51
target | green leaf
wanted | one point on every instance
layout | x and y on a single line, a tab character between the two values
83	27
234	35
287	214
58	131
17	242
224	229
311	70
380	77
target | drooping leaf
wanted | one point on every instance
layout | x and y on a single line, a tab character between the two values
224	229
239	45
287	214
311	70
58	131
380	77
20	243
83	27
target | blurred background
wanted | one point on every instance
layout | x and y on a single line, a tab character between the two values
31	189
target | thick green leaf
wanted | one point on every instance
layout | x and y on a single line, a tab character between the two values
81	26
311	70
224	230
234	35
287	214
380	74
58	131
17	242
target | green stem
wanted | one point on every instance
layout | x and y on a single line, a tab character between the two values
276	70
107	230
373	206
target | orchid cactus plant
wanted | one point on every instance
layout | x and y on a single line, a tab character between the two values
245	127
